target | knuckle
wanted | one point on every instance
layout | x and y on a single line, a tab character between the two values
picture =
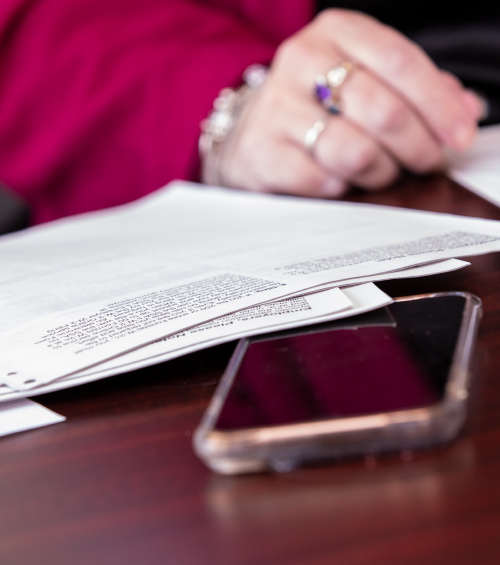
304	181
282	52
389	116
427	160
332	18
390	176
400	59
379	179
359	158
293	51
288	175
333	188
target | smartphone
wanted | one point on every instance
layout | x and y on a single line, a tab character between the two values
394	379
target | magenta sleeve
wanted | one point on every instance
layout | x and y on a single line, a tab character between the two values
101	100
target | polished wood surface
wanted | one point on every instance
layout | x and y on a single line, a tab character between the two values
118	483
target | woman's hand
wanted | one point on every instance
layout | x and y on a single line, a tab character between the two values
398	111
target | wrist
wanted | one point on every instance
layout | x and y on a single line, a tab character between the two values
217	131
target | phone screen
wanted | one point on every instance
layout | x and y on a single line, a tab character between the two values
347	368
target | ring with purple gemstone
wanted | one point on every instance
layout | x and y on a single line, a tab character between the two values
326	88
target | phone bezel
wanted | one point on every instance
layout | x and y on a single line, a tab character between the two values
283	447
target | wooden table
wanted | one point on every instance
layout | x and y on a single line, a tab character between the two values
118	483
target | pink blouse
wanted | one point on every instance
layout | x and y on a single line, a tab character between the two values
101	100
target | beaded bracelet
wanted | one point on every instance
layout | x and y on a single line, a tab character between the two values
221	122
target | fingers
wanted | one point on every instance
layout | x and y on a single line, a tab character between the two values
398	111
342	151
405	68
263	158
292	171
369	102
387	119
348	153
365	146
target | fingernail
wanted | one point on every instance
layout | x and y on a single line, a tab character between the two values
332	188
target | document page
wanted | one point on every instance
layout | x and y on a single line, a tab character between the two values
21	415
275	316
479	168
426	270
82	290
313	308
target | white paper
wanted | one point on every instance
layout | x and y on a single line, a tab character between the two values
20	415
478	169
314	308
260	319
426	270
86	289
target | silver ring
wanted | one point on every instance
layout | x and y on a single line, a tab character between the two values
312	135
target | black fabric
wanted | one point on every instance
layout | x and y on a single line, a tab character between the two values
460	38
14	212
472	53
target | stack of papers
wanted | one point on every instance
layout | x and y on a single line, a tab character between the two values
85	290
192	266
